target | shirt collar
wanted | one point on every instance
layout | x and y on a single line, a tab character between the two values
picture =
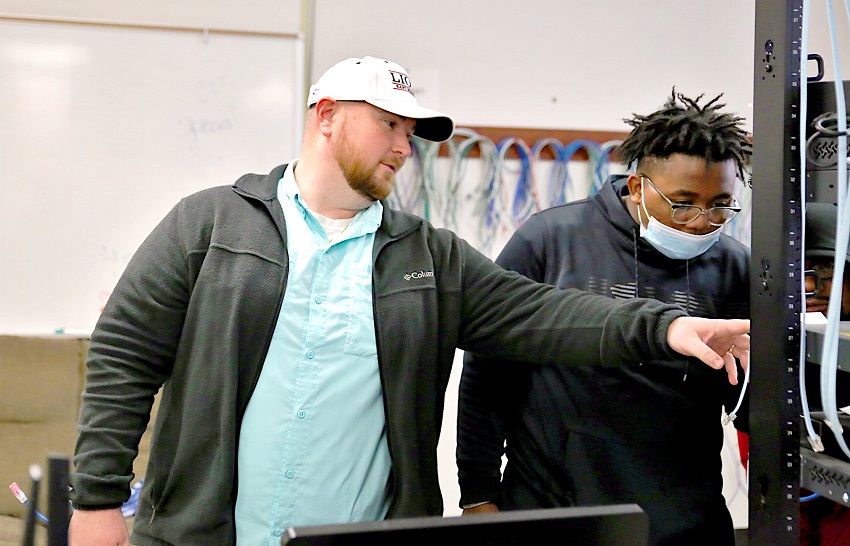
366	221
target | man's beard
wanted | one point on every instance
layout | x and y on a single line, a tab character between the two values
361	177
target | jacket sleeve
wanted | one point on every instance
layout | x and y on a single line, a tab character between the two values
483	396
131	354
508	316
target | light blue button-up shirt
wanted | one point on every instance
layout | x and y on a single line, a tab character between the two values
313	445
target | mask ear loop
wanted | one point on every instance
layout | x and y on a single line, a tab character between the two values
642	205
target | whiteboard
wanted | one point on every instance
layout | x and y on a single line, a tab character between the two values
103	129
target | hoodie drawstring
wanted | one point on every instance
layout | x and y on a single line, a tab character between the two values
687	286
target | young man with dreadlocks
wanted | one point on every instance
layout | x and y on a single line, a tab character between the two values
651	433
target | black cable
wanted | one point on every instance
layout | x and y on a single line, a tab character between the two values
826	124
29	529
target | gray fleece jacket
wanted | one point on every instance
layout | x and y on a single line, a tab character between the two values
194	312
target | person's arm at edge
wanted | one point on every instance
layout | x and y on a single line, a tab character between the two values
480	431
483	508
483	388
506	315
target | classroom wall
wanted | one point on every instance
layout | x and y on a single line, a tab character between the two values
820	40
250	15
556	63
549	63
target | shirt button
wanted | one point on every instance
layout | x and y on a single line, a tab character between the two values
290	474
318	299
310	354
301	414
278	532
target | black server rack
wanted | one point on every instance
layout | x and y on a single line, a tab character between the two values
774	465
781	460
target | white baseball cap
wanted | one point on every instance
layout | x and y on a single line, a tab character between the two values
383	84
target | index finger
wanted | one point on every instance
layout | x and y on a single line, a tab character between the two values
737	327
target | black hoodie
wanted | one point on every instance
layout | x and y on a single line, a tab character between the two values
650	433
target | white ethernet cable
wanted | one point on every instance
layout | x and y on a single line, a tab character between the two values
814	439
440	191
829	357
734	413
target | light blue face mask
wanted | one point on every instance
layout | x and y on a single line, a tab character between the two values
672	242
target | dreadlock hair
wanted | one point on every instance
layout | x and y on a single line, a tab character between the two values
683	126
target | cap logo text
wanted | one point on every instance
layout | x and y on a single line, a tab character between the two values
400	81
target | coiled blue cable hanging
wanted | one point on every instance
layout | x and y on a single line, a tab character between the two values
593	153
602	169
484	193
522	202
557	186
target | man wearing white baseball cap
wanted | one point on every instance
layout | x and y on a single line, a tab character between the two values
303	334
383	84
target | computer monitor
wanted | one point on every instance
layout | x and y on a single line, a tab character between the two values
619	524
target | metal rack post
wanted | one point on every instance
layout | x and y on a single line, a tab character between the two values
776	265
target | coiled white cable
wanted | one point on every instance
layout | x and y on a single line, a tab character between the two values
829	357
814	439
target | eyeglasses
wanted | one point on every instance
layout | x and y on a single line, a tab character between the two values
685	214
818	274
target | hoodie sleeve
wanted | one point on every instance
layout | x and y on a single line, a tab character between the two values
480	429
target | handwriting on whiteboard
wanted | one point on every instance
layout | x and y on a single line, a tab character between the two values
197	127
114	256
212	94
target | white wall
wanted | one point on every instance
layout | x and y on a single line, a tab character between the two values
820	42
549	63
281	16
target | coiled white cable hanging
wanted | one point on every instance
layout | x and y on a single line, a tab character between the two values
814	439
441	184
829	357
